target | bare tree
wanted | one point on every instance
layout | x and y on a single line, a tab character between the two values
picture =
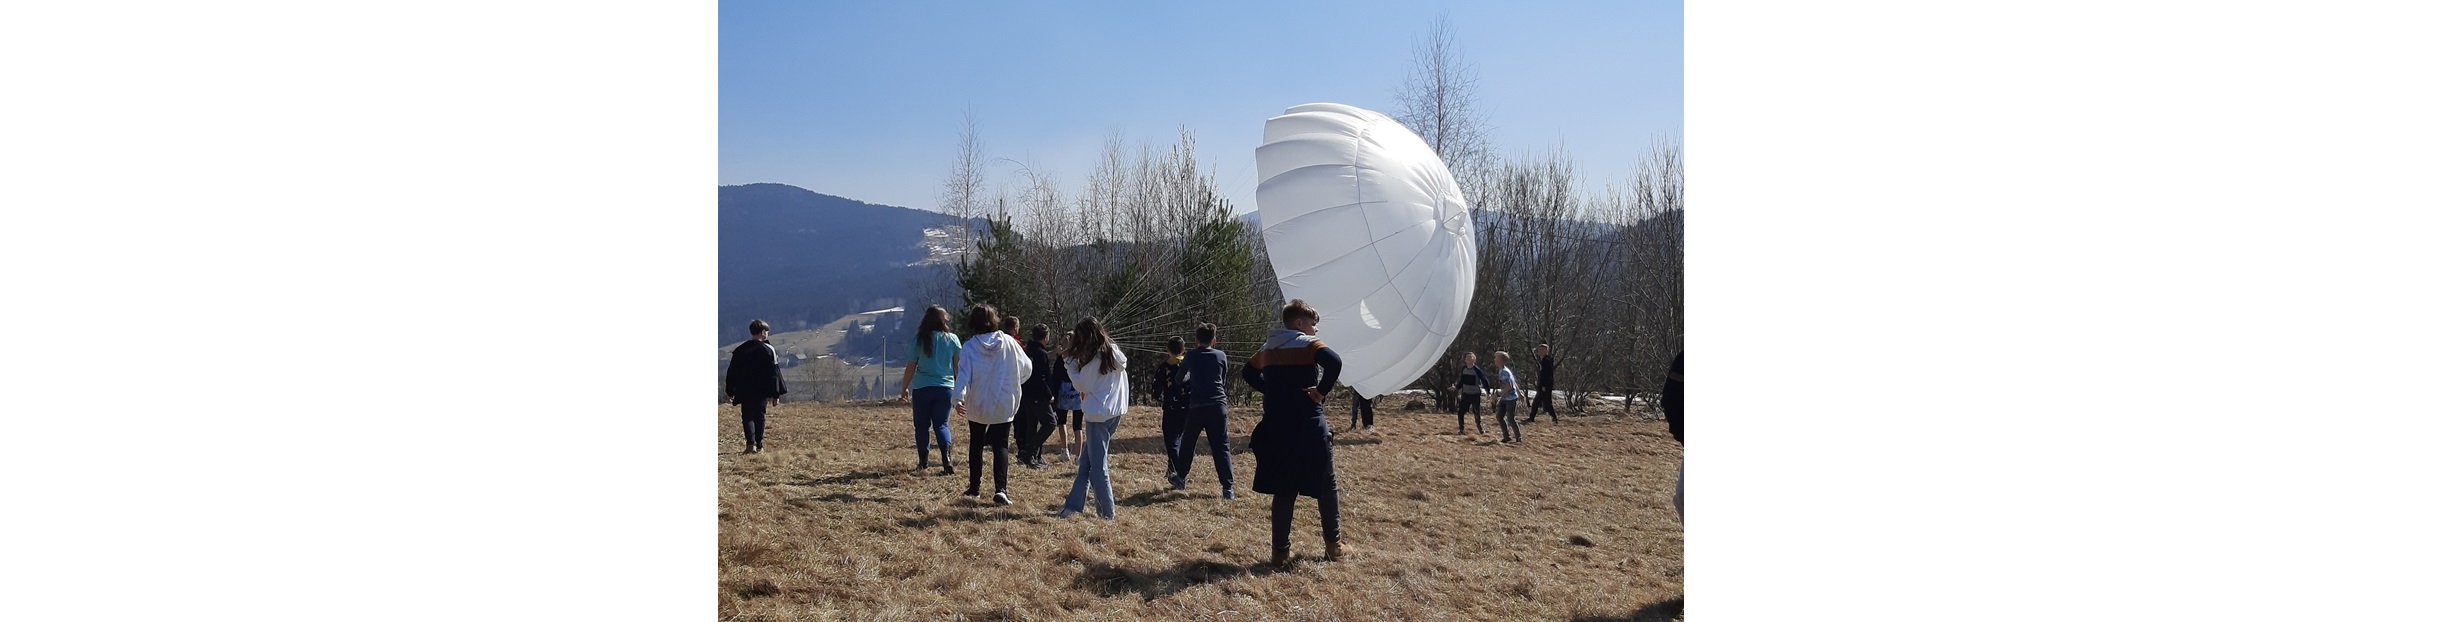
962	199
1440	102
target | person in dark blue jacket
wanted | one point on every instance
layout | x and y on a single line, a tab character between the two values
1293	446
1199	389
1036	419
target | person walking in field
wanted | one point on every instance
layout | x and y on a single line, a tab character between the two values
1200	386
1508	395
1293	446
754	379
1467	388
930	367
986	386
1100	369
1036	418
1170	418
1546	387
1364	413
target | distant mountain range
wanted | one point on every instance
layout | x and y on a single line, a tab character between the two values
798	259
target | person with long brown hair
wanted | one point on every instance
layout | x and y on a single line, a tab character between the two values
1098	368
932	352
986	390
1293	445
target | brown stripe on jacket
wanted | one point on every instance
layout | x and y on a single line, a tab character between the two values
1288	356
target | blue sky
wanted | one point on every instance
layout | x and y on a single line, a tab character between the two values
864	100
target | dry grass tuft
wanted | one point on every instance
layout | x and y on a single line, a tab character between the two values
831	523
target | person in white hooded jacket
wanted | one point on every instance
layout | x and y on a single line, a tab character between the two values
1099	370
992	365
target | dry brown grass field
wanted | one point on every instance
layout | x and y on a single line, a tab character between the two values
831	522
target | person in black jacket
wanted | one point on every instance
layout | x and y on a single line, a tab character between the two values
1170	418
1036	419
754	379
1671	399
1199	392
1293	446
1467	388
1546	387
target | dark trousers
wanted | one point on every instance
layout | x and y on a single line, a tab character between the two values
1029	430
1183	447
931	411
1330	518
752	421
1467	405
1364	411
982	436
1172	426
1505	422
1545	400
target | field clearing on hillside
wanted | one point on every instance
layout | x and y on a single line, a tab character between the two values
831	522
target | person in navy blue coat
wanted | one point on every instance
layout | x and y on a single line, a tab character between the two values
1293	446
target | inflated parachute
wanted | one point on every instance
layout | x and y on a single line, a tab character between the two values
1365	223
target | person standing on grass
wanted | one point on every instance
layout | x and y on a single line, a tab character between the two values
1200	387
1466	398
1293	446
1364	412
754	379
1671	399
930	366
1036	418
1508	395
1169	418
1104	387
1066	402
1546	387
992	367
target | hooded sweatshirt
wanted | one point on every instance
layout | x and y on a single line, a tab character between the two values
987	380
1103	396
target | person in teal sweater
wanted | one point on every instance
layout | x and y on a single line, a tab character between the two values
927	383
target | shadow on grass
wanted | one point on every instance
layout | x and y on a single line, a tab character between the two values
1152	497
1108	580
844	478
988	513
843	497
1667	610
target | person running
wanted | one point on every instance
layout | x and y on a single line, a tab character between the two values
1170	418
1546	387
1200	387
1364	413
930	367
1293	446
1036	419
992	367
1508	395
1104	386
1466	398
754	379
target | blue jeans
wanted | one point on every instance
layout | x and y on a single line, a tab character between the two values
931	408
1099	436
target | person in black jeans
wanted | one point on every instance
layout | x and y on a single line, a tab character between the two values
1170	419
1546	387
1466	399
1199	387
1036	418
754	379
1672	400
1364	412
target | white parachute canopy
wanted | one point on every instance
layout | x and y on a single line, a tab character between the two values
1365	223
